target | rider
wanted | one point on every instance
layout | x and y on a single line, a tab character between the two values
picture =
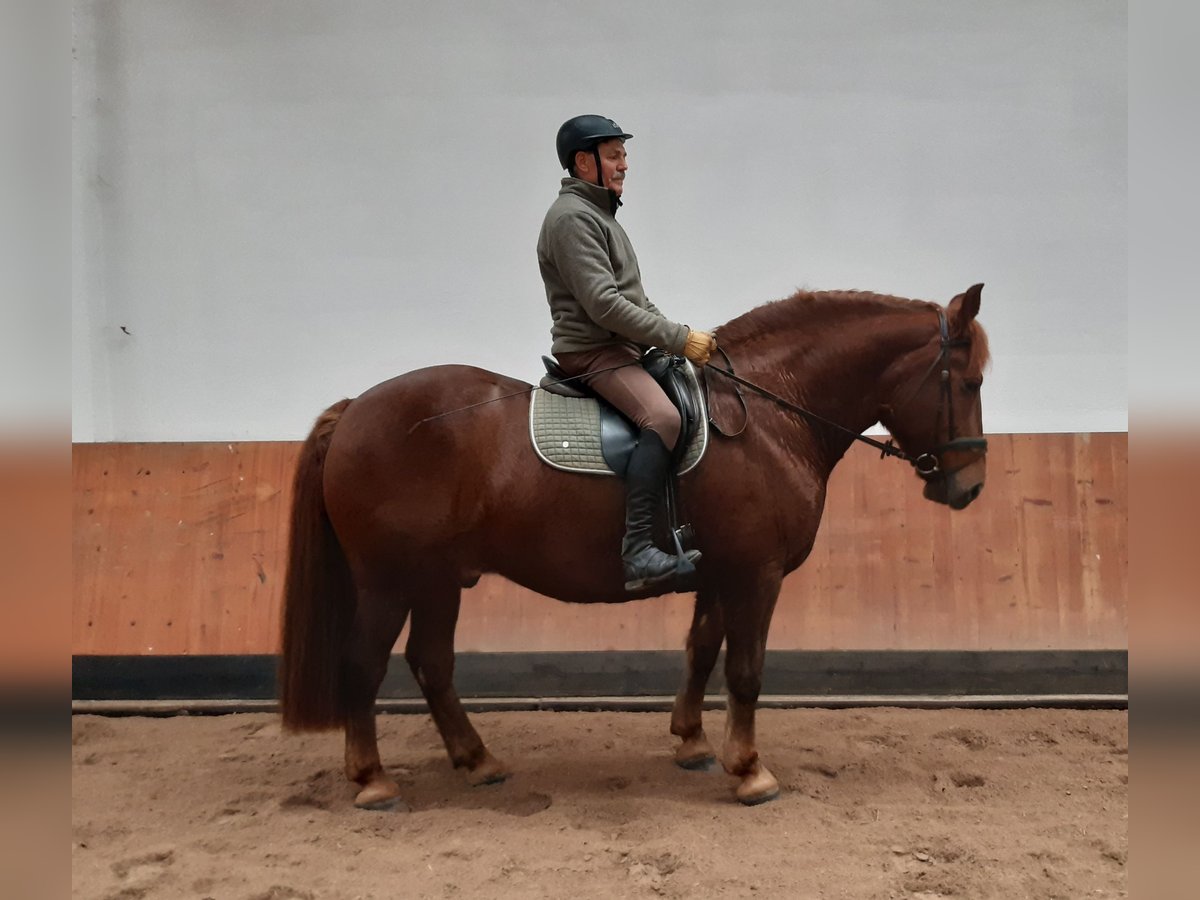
603	321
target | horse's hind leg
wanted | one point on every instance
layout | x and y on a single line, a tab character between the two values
703	645
430	655
378	620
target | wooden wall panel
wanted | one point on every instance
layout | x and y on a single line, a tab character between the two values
180	548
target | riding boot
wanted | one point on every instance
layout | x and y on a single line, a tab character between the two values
645	565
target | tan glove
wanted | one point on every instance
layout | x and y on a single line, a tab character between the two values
698	346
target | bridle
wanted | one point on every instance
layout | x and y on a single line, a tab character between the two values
928	465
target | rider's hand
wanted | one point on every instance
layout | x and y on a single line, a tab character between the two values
698	346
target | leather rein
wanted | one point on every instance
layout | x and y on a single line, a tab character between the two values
928	465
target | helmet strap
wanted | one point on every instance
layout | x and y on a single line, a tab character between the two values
599	169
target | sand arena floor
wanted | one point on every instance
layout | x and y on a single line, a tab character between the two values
877	803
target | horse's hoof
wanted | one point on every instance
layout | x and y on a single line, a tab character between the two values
701	763
380	795
490	771
758	787
695	755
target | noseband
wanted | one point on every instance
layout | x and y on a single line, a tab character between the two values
928	465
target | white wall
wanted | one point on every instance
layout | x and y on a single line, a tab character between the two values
286	202
35	209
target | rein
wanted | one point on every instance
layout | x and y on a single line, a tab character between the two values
887	449
928	463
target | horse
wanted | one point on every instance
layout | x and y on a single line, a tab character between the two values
408	493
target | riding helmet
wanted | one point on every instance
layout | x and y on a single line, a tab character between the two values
584	133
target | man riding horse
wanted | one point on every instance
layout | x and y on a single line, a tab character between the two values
399	503
603	322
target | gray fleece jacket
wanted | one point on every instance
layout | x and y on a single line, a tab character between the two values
593	283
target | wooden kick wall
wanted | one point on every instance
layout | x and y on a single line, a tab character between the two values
179	549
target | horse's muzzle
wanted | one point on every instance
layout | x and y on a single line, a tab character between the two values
958	489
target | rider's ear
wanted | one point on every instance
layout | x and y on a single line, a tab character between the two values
964	308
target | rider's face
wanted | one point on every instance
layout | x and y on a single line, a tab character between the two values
613	165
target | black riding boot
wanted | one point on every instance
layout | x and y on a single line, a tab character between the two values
645	565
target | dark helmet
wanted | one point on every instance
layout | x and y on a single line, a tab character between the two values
584	133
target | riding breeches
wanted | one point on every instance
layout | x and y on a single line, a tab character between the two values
629	388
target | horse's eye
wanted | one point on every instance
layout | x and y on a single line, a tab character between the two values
973	385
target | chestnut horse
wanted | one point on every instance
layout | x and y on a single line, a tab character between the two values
398	507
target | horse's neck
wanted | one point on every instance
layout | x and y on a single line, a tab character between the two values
833	363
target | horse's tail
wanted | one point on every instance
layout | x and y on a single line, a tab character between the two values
319	601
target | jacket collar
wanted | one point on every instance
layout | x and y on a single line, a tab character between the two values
601	198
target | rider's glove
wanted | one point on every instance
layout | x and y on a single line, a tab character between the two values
698	346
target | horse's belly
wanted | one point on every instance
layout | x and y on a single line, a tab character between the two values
600	583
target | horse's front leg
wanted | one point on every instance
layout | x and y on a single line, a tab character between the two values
430	655
747	619
703	645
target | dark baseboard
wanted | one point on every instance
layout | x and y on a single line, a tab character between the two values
799	673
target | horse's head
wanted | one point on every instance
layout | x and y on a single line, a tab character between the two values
934	410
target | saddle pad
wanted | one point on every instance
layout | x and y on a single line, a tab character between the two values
566	434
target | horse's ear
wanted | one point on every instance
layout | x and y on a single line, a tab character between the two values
964	308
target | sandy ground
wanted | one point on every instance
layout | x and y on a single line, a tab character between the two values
877	803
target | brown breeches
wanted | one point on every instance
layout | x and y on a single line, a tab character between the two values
629	388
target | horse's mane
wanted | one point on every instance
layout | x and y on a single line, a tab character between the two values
981	355
808	312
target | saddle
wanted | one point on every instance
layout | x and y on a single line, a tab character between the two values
575	430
